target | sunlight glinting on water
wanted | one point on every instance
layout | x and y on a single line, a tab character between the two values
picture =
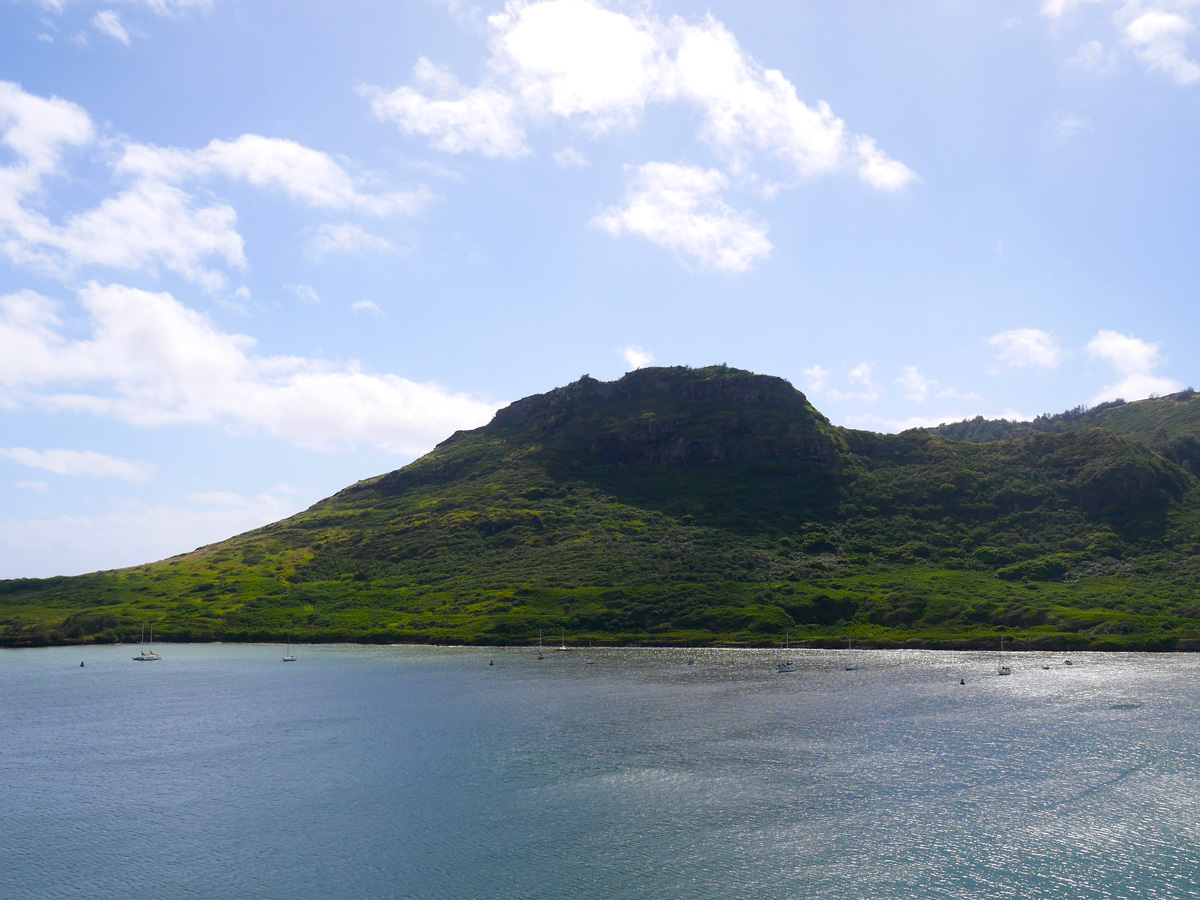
425	772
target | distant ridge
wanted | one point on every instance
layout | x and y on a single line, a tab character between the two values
1170	425
697	506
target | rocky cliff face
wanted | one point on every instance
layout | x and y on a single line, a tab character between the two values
676	416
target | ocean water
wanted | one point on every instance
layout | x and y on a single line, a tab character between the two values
397	772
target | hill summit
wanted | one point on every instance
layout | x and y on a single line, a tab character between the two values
689	506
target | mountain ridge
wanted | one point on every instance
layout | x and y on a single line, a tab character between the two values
691	506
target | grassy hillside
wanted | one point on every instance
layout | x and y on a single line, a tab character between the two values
690	506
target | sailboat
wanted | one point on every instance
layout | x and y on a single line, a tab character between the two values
147	655
563	643
1002	669
850	666
289	657
785	665
540	645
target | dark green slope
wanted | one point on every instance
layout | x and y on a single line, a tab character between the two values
1170	425
690	506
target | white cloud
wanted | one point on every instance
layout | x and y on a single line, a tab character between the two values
150	225
1135	361
1159	39
1092	55
1157	32
76	463
345	237
879	170
581	61
1056	9
678	207
162	7
39	486
918	389
859	379
915	385
131	533
153	221
151	361
569	158
1067	125
1023	347
458	120
636	358
303	293
816	379
575	58
368	306
309	176
108	22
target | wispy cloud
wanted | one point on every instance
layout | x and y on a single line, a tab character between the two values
80	463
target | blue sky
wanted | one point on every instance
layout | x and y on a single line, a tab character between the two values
252	252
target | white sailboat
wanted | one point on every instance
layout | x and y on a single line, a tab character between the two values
563	642
289	657
147	655
785	664
1002	668
540	644
850	666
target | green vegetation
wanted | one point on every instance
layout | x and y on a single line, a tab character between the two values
680	506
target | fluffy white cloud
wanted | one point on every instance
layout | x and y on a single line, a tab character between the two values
151	361
151	225
1159	39
154	221
345	237
636	358
679	207
1157	32
75	462
576	59
456	120
579	60
1135	361
1023	347
108	22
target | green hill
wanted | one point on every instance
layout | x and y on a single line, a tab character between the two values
688	506
1170	425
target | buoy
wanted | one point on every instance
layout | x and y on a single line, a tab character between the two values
489	662
962	681
81	664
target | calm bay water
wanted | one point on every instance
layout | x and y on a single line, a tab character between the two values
393	772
